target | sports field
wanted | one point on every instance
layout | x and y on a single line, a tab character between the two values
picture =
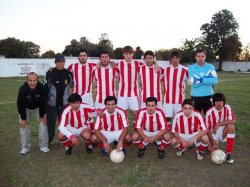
80	169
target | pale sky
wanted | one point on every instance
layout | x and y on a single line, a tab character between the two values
150	24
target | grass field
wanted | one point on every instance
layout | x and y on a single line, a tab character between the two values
80	169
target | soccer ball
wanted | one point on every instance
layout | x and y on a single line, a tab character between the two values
116	156
218	156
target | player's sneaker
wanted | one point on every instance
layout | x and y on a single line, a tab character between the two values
180	151
68	150
161	153
89	149
199	155
229	158
24	151
44	149
104	152
124	150
141	152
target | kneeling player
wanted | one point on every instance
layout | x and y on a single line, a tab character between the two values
112	127
151	125
220	121
188	128
73	123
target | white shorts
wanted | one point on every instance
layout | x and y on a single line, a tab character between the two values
149	134
76	131
128	103
111	135
171	109
159	105
99	105
218	136
187	137
87	98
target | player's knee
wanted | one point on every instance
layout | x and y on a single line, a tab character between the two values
60	136
128	138
166	137
205	139
135	136
86	135
174	142
93	138
231	128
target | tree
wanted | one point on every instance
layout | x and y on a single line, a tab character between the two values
162	54
105	44
48	54
118	53
138	53
221	36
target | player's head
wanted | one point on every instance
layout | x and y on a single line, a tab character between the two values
175	58
149	57
75	101
82	56
128	53
32	79
200	56
219	100
188	106
60	61
151	104
110	103
104	57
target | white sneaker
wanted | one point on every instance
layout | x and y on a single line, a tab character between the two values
44	149
24	151
180	151
199	155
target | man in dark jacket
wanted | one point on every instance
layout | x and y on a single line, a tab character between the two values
32	99
57	83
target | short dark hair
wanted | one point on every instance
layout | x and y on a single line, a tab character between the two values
81	50
74	97
151	53
127	49
200	51
32	73
188	102
104	52
110	98
219	97
175	54
151	99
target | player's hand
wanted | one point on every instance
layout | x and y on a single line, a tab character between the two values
75	140
119	146
151	139
98	65
99	113
157	68
146	139
22	123
112	64
42	120
191	141
184	143
215	128
107	147
50	68
213	147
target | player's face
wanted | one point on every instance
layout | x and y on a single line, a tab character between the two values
219	105
110	105
60	65
128	56
149	60
83	57
32	81
104	59
200	58
151	106
188	109
75	106
175	61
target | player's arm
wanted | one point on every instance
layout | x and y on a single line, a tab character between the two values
42	104
142	135
121	138
213	143
21	107
194	138
183	142
155	137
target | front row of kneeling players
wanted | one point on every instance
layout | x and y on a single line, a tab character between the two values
188	127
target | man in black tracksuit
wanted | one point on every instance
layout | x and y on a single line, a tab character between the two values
57	82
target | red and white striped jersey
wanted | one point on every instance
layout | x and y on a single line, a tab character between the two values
112	122
128	78
214	116
188	125
151	123
150	82
174	84
83	77
105	82
77	118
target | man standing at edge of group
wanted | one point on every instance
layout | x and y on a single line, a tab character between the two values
202	77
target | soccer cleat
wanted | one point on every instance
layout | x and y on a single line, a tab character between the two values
180	151
24	151
229	158
104	152
161	153
44	149
89	149
115	143
199	155
141	152
68	150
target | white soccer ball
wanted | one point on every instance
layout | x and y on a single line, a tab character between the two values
218	156
116	156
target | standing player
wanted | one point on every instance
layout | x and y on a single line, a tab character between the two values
151	126
83	77
113	126
220	121
73	123
202	77
175	76
32	99
105	77
188	129
150	80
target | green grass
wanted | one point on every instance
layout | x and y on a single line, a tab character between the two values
80	169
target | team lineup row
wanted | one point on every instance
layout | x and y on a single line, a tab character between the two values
110	124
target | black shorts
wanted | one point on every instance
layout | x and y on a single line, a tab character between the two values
202	103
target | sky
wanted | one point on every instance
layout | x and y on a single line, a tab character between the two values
150	24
